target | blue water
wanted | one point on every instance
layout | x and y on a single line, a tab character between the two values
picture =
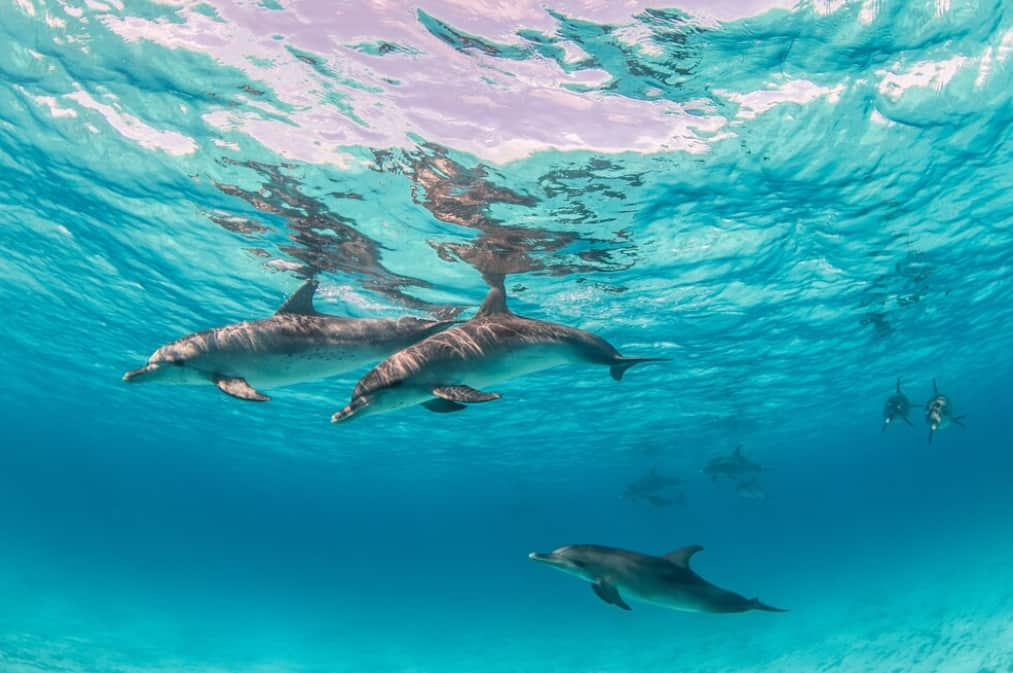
795	204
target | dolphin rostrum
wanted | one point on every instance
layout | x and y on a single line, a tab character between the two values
939	412
666	580
734	466
296	344
897	406
447	370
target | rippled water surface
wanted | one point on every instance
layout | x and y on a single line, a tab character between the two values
796	204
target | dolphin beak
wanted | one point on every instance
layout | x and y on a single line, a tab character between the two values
137	375
544	558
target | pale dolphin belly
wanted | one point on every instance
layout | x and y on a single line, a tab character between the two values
282	369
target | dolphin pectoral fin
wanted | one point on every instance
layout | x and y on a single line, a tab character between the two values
681	557
959	420
465	394
442	406
238	387
608	593
621	364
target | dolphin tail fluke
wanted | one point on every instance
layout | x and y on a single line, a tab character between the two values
757	605
621	364
931	432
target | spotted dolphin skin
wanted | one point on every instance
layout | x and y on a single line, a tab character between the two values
448	370
666	580
897	406
294	345
939	412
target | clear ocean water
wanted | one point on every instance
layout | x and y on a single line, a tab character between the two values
797	204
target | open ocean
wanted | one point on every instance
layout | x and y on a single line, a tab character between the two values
797	204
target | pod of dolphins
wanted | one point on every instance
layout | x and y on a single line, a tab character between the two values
444	366
938	410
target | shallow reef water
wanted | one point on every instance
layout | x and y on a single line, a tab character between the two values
797	204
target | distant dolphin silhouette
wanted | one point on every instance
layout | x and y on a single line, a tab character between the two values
446	370
939	412
296	344
666	580
733	466
897	406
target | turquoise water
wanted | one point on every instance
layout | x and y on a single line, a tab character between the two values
796	204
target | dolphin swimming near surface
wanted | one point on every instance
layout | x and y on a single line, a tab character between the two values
666	580
448	370
294	345
897	406
939	412
734	466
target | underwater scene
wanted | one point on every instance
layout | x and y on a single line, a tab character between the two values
548	336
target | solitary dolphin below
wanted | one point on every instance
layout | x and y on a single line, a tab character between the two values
734	466
446	370
939	412
296	344
666	580
897	406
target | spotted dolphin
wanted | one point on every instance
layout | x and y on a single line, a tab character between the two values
447	370
897	406
294	345
939	412
734	466
666	580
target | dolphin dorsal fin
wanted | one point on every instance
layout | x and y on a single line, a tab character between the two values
495	300
898	386
301	301
681	557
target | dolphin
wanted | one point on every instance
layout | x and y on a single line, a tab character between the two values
751	490
897	406
662	501
447	370
734	466
939	412
666	580
296	344
650	484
